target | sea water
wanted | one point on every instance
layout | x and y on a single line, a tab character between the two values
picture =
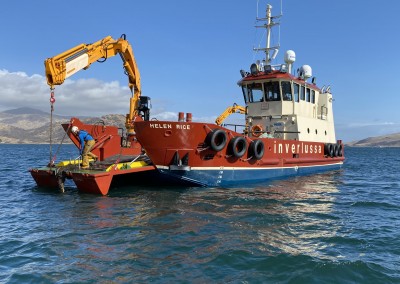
335	227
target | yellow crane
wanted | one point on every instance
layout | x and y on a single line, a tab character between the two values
64	65
228	111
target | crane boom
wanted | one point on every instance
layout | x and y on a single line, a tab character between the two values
64	65
228	111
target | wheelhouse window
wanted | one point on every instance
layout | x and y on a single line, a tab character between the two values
286	87
272	92
302	93
296	90
308	94
313	96
245	93
255	92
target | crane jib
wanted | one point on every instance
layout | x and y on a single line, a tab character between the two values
75	55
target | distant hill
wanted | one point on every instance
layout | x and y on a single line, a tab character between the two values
390	140
24	110
31	126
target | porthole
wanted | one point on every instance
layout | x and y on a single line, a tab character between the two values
325	133
316	131
308	130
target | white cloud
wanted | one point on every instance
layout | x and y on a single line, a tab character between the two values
83	97
92	97
372	124
19	90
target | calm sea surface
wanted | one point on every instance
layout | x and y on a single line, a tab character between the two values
337	227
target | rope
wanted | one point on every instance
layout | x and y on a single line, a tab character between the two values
59	146
117	161
134	160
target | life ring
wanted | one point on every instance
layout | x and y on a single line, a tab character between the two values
256	149
256	130
216	139
237	146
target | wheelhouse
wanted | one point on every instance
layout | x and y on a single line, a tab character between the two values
288	107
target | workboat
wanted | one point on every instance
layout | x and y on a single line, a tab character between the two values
120	160
287	130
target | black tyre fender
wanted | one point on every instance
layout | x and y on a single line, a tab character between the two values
340	150
217	139
237	146
256	149
326	149
329	150
336	148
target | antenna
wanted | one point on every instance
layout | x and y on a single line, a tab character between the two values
269	19
257	9
279	41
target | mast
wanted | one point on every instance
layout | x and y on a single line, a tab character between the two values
269	19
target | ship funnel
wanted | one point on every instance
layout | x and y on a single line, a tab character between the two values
290	58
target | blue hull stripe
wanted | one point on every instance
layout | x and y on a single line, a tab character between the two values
228	177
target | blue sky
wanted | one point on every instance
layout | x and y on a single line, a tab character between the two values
189	55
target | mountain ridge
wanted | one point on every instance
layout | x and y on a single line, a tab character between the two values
27	125
388	140
30	126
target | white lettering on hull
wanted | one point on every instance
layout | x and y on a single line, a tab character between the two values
183	126
302	148
169	126
160	125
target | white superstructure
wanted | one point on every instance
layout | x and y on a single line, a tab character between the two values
282	105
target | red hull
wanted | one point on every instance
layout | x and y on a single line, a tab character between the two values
89	181
175	147
162	140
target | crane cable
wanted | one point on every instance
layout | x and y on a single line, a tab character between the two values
53	158
52	101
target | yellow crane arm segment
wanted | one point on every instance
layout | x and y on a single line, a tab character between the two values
64	65
230	110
